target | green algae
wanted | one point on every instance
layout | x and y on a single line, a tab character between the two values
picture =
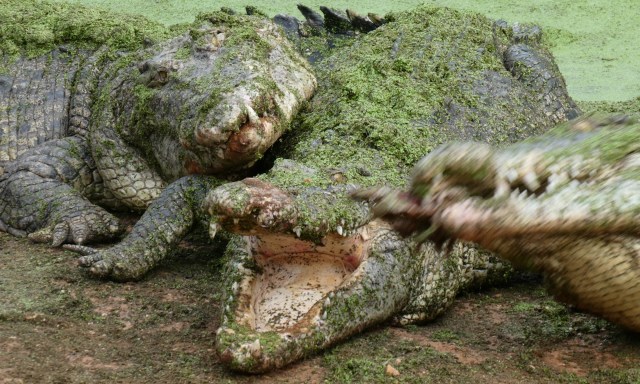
592	40
629	107
380	101
34	28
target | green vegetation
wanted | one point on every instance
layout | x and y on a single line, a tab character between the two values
37	27
551	321
592	39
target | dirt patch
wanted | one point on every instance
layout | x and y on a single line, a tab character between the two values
58	325
579	356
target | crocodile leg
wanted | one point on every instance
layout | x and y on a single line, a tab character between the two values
124	171
41	196
533	66
167	220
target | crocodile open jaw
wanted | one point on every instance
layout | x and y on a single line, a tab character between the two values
293	279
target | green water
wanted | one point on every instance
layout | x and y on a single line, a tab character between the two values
595	41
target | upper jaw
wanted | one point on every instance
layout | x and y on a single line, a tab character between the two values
581	179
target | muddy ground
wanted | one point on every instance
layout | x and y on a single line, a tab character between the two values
58	325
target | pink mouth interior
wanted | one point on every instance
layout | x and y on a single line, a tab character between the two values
296	277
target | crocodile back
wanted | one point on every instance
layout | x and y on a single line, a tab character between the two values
34	100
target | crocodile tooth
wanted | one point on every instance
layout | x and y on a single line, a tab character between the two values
530	179
252	115
327	302
213	229
254	348
297	231
339	230
236	221
511	175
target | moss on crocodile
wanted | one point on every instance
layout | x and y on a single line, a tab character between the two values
33	28
383	102
378	94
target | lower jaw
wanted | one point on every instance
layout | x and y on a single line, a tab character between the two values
276	316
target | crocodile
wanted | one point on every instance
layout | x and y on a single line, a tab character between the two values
306	266
106	116
564	204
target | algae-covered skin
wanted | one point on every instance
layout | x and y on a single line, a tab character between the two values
565	204
311	268
98	108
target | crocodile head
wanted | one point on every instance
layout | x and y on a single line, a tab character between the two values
297	280
214	99
565	204
307	267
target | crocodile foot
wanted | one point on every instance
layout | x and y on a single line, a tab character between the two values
121	263
79	227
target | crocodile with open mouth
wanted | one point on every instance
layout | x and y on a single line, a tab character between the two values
310	267
307	267
565	204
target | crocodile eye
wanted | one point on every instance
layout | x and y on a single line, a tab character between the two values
208	40
143	66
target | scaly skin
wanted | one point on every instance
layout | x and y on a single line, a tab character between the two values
104	120
565	204
141	250
310	268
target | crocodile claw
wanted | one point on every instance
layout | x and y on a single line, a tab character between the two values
79	229
115	263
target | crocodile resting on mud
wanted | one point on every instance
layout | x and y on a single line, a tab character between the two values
306	266
565	204
99	118
311	268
